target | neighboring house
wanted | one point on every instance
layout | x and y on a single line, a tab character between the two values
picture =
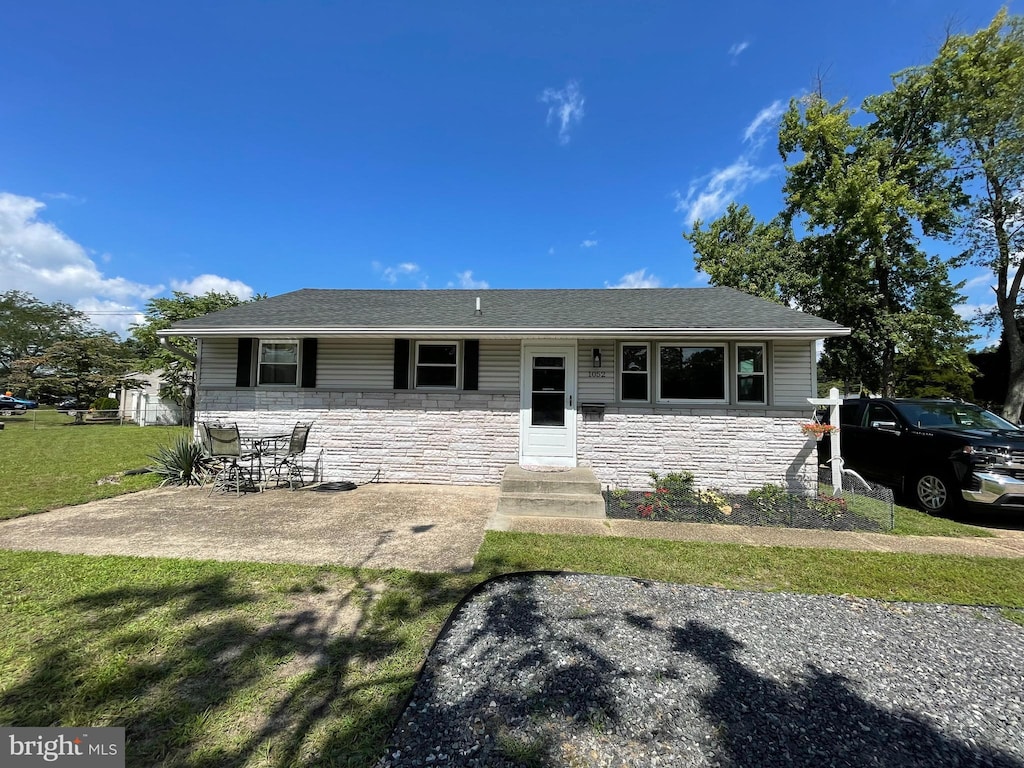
451	386
143	404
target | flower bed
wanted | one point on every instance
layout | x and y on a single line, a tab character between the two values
767	506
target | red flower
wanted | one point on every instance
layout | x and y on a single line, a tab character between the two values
663	490
648	495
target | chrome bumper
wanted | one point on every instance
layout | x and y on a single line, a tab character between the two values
994	487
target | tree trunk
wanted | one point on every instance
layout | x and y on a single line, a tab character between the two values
1015	386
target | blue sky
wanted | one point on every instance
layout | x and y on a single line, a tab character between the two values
269	146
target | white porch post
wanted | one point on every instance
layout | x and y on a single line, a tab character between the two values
833	401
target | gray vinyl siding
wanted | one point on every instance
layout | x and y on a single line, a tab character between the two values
363	365
499	365
359	365
596	385
792	373
218	363
366	365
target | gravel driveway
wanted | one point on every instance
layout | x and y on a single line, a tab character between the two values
544	670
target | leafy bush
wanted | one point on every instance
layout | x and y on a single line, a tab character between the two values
182	463
768	496
829	507
676	486
104	404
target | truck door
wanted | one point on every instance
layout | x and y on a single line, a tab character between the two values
879	444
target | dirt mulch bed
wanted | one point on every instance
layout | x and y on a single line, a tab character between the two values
824	513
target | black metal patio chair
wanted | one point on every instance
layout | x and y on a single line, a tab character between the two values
225	448
288	463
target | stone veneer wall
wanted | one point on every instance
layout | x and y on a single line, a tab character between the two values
460	438
467	438
728	449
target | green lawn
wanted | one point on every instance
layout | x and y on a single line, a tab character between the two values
907	521
47	463
243	664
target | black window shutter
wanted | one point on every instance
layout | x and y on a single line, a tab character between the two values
243	373
471	364
401	363
308	364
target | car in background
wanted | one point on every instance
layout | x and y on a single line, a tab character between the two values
941	454
9	406
68	406
7	399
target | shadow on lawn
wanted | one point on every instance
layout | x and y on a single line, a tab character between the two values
316	679
541	687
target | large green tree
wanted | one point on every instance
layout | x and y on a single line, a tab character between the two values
975	90
738	251
859	194
178	378
28	327
862	193
83	367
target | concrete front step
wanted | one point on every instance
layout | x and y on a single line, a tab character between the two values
551	504
515	479
569	493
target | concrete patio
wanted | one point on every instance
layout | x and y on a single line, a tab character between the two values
414	527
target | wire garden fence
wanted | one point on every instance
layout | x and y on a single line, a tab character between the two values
43	418
858	506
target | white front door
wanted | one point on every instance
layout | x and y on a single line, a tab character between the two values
547	432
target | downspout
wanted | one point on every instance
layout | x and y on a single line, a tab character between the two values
176	351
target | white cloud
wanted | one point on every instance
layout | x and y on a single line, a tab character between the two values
738	48
766	118
588	243
466	281
38	258
64	197
111	315
566	108
638	279
983	280
391	274
197	286
971	312
710	194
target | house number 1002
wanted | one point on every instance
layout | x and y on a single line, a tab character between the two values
595	374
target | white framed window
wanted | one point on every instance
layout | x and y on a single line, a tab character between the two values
278	362
750	373
692	373
437	364
635	372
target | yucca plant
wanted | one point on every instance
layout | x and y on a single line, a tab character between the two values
182	463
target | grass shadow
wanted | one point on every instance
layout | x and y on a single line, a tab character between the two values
219	664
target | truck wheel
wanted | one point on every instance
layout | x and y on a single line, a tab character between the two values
934	494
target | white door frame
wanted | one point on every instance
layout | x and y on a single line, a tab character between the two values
553	446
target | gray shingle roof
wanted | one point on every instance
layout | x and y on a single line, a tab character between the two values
325	312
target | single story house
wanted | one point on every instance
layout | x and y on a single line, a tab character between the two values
451	386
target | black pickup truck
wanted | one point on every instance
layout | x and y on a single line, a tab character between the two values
941	454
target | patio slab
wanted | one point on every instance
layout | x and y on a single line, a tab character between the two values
413	527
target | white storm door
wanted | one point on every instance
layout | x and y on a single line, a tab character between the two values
547	433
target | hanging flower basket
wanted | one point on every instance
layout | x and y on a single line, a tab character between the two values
817	430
